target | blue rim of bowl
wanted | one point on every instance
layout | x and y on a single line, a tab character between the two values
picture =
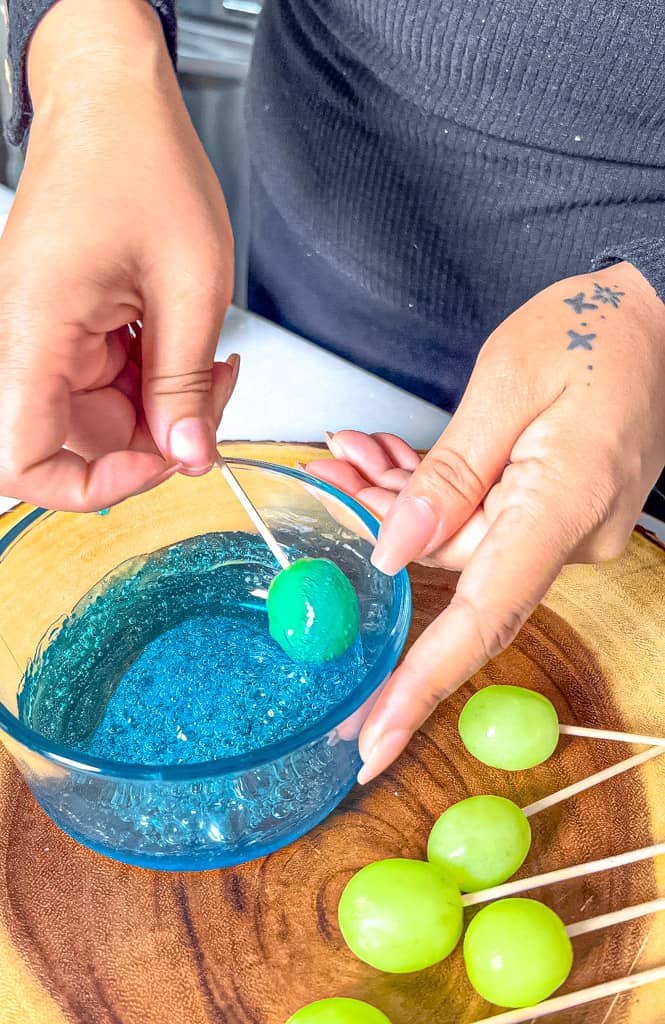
383	664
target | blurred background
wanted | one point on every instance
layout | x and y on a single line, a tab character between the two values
215	43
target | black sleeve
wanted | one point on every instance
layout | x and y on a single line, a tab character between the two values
647	254
24	16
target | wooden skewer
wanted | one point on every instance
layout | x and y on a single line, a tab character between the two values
254	515
498	892
592	780
594	924
610	734
580	998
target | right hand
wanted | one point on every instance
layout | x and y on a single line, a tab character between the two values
118	217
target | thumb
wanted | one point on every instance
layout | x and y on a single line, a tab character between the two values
180	335
454	477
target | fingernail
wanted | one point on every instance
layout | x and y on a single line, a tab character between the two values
234	362
334	447
404	534
190	442
383	753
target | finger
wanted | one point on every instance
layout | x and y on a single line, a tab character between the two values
395	479
458	551
337	509
113	358
398	451
224	380
67	482
181	327
373	454
101	421
457	473
142	439
361	451
509	573
453	554
35	468
339	473
345	477
377	500
128	382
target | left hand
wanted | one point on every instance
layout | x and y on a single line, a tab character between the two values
549	458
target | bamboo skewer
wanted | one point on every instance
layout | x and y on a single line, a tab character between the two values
498	892
619	985
594	924
276	548
580	998
610	734
592	780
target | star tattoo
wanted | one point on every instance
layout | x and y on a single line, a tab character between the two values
578	303
580	341
610	296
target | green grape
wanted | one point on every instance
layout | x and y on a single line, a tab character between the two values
509	727
338	1011
401	915
313	610
517	952
480	841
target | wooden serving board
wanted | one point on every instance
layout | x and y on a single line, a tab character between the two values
86	941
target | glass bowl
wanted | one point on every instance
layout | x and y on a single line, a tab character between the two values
219	812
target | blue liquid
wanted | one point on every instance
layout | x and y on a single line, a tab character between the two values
168	660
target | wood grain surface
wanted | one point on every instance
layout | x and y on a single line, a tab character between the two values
84	940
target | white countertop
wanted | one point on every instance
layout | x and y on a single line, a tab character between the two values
6	196
292	390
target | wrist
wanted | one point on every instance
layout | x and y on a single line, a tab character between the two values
646	306
85	48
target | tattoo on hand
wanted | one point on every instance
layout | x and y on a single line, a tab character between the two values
608	296
580	340
611	296
579	303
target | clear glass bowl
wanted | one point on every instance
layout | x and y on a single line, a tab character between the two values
226	811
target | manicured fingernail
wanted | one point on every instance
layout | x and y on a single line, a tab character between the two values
333	445
190	442
404	534
383	753
234	362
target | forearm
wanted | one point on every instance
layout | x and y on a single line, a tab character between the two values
50	41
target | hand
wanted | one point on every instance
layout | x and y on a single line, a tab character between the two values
549	458
118	217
